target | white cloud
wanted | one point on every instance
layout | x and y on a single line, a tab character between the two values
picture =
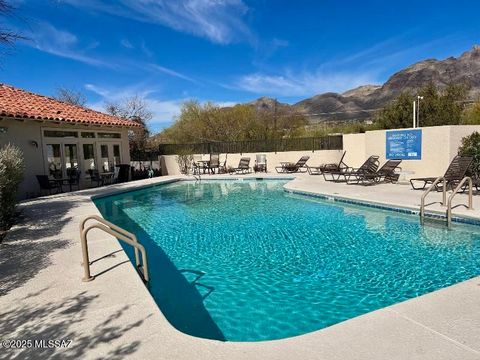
226	103
302	84
145	49
126	44
116	94
168	71
220	21
164	111
47	38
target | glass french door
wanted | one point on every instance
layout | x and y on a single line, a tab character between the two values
62	159
89	162
70	158
54	160
109	156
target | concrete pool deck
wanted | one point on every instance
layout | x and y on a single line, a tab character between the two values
42	296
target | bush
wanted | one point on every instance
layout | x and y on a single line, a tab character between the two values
471	116
11	174
471	147
184	161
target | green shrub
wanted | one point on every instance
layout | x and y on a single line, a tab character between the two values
471	147
11	174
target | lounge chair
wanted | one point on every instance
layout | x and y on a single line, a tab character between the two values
456	171
385	174
243	166
260	163
370	166
319	170
288	167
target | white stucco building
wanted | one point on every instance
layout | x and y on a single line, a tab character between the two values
55	137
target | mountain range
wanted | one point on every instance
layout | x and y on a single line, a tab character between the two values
359	104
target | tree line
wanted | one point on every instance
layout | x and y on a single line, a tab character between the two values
208	122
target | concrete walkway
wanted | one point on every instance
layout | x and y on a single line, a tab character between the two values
42	297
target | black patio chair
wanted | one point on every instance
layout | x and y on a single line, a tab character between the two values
48	184
95	177
214	163
73	179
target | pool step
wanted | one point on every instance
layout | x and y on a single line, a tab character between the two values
433	220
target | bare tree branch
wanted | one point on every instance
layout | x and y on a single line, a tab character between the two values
8	37
71	96
135	109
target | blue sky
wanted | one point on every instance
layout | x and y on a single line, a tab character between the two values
227	51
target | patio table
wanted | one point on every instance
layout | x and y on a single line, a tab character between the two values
402	178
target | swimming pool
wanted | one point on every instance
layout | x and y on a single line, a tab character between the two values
247	261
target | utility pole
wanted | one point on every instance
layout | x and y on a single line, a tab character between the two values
418	109
275	123
275	117
414	114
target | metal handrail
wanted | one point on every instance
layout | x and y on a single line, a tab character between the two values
426	192
114	227
120	234
457	189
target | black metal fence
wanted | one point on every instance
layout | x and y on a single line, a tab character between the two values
333	142
144	155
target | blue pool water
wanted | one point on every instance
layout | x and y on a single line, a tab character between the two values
247	261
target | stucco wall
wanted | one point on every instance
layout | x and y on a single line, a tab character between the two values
354	144
170	166
23	133
439	146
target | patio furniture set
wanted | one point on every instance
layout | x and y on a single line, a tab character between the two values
214	165
57	183
369	173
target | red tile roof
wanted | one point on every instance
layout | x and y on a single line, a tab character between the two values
21	104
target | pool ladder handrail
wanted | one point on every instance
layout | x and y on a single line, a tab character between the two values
426	192
120	234
457	189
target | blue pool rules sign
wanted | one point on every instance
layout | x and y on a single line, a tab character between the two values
404	144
